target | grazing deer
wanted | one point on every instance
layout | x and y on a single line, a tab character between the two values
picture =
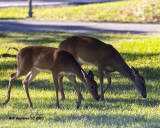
31	60
92	51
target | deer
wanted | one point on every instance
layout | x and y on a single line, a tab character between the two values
32	60
105	57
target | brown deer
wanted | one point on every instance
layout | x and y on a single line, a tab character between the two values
31	60
92	51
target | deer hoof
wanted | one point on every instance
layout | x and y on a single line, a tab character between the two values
77	107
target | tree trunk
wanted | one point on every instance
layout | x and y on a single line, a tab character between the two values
30	8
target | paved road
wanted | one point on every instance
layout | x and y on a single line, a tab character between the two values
76	27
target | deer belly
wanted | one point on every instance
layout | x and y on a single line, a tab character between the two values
42	70
81	61
110	69
65	73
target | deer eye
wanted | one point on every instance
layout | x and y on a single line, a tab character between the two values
92	87
143	84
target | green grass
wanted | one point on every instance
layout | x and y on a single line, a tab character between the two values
122	11
123	106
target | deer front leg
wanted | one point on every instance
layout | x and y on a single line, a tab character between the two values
101	76
60	81
72	79
108	75
55	78
12	78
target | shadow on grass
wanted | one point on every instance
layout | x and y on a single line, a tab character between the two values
135	56
34	38
11	18
108	120
41	85
8	65
99	120
102	120
37	38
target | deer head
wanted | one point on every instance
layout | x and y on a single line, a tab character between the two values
92	85
139	82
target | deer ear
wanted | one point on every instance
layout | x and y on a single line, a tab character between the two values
134	71
91	75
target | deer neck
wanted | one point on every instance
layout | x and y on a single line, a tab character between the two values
126	71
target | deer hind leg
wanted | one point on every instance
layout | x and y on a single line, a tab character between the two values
108	75
60	81
31	75
12	78
73	80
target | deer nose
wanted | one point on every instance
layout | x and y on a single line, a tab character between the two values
97	98
144	95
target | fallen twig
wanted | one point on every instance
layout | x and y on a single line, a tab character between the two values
9	55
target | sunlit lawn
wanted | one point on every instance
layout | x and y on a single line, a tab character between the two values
123	106
121	11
